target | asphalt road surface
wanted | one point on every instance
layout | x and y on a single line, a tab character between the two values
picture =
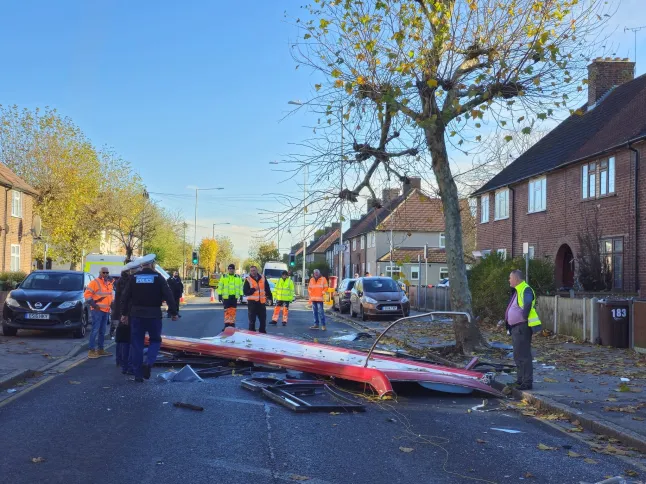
92	425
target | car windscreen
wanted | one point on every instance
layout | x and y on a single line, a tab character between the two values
350	284
380	285
53	281
273	273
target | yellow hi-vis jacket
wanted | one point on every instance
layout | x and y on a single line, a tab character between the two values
533	319
230	285
284	290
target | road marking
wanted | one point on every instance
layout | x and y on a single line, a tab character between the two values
259	471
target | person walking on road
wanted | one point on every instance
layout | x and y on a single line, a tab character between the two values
177	288
122	331
143	297
316	289
257	290
99	295
229	291
523	321
284	294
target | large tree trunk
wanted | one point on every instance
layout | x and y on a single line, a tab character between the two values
467	335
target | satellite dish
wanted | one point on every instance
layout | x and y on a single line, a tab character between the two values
36	226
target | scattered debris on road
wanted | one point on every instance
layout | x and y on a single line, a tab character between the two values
37	460
189	406
186	375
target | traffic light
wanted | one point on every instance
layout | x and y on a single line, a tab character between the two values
292	260
194	258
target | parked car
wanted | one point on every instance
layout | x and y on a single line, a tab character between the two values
269	302
380	297
444	282
341	295
48	300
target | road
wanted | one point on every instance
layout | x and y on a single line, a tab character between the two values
91	425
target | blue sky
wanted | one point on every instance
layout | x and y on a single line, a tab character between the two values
191	93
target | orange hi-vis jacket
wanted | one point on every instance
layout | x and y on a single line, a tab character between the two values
101	292
259	295
317	288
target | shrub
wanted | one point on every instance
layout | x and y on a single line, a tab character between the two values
9	280
489	283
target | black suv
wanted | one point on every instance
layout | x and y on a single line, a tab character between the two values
50	301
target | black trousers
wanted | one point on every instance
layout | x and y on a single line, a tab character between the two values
257	310
521	338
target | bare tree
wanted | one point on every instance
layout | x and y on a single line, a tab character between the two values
443	70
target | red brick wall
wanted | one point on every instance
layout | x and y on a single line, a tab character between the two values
13	236
564	217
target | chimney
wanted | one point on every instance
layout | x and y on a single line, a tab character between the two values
336	225
411	183
388	194
604	74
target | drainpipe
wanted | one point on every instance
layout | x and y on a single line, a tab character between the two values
513	220
6	224
636	190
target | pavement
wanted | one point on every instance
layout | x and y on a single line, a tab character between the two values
91	424
601	387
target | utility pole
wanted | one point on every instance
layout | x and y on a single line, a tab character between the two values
634	30
304	227
184	252
341	206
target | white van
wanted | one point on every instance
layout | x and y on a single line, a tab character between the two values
273	270
114	263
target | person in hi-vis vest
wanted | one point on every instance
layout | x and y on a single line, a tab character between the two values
283	294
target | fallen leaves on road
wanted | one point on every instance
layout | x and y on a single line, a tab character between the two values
575	429
631	473
639	419
574	455
37	460
550	380
529	475
626	409
406	449
545	447
623	388
610	450
74	382
296	477
335	413
589	461
480	441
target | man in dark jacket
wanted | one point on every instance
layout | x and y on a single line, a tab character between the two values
257	290
177	288
122	336
143	296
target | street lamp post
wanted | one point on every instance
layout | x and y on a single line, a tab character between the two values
341	207
195	226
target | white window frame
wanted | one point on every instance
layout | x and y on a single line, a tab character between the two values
537	195
16	204
473	206
414	270
445	271
485	252
363	242
484	209
390	270
373	237
501	209
15	257
503	253
354	244
442	240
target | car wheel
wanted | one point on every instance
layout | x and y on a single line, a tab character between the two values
341	310
82	331
362	314
9	331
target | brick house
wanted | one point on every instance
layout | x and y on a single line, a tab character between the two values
585	169
16	203
409	221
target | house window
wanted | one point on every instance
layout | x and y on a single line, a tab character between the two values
392	271
501	210
15	257
473	206
502	253
442	240
373	236
537	195
531	252
354	244
612	253
363	268
602	172
363	242
368	267
16	206
484	209
444	273
414	273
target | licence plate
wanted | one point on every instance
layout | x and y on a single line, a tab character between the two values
390	308
37	316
